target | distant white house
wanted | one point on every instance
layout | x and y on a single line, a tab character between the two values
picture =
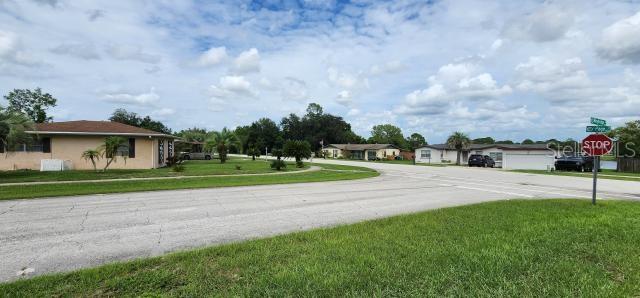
507	156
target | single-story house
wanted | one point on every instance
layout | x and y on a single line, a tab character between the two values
507	156
64	143
361	151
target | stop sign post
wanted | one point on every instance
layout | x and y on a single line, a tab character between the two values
596	145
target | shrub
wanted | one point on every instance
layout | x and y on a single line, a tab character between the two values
238	168
177	168
278	164
297	150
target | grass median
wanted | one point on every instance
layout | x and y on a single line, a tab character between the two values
327	173
507	248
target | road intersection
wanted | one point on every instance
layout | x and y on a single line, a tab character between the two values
66	233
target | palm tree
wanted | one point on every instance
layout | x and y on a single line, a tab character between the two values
220	141
109	149
93	155
297	150
12	128
459	141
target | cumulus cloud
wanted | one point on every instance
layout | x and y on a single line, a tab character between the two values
141	99
247	62
131	52
82	50
545	24
230	87
560	81
344	98
213	56
621	41
452	82
12	52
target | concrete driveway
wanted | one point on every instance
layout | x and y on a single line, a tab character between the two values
61	234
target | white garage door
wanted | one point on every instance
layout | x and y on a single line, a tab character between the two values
523	161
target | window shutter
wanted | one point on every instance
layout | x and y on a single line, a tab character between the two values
46	145
132	147
1	147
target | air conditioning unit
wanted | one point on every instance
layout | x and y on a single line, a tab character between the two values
55	165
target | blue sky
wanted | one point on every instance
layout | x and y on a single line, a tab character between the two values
506	69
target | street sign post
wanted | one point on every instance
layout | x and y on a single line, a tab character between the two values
598	122
596	145
603	128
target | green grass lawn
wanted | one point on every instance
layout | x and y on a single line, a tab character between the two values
328	173
191	168
604	174
518	248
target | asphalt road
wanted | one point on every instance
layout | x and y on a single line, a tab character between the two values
66	233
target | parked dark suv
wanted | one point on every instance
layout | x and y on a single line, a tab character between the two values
479	160
574	163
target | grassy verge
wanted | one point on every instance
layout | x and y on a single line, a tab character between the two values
508	248
191	168
82	188
604	174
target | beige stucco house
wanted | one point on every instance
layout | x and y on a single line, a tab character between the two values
361	151
65	141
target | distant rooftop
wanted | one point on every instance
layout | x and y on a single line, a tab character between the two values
499	146
361	147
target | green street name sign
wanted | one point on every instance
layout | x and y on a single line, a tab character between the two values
598	122
598	128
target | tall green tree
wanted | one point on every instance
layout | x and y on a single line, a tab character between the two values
12	129
34	103
264	134
387	134
193	134
415	141
133	119
528	142
628	137
297	150
485	140
317	126
458	141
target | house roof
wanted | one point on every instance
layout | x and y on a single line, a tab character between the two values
486	146
85	127
361	147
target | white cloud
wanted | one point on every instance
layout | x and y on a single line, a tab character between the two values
621	41
247	62
452	83
131	52
142	99
11	51
559	81
545	24
294	89
213	56
344	98
387	68
82	50
231	87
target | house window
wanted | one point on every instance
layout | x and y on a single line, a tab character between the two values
132	148
497	156
123	150
426	154
37	145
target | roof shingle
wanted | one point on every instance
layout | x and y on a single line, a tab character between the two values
93	127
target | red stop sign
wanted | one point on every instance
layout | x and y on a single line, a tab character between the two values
596	144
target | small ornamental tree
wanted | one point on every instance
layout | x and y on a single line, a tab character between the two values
110	148
278	164
253	152
222	152
92	155
297	150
